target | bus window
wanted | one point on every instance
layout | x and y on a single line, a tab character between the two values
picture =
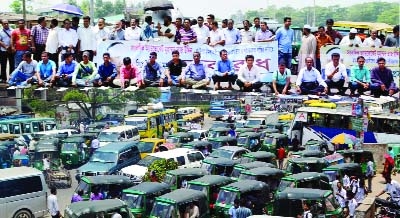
153	122
36	126
4	128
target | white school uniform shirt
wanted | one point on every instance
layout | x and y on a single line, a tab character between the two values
329	68
341	199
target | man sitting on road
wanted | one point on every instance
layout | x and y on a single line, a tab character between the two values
360	77
46	71
224	71
309	80
153	73
174	69
336	74
281	79
66	70
196	74
249	76
106	72
382	80
84	72
25	71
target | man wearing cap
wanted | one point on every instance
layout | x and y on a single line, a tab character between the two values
46	71
153	73
66	70
352	39
308	46
334	34
336	74
309	80
23	74
196	74
106	72
84	72
281	79
382	82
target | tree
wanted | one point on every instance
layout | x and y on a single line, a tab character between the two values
84	6
119	6
160	168
72	2
16	6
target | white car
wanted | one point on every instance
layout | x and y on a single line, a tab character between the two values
235	116
199	134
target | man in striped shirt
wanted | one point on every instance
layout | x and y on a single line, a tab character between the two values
39	36
187	34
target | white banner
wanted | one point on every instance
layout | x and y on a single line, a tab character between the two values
265	54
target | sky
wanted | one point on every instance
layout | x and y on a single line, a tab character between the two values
224	8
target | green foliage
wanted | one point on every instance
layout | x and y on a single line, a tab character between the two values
16	6
85	5
119	6
145	96
75	95
160	167
72	2
44	108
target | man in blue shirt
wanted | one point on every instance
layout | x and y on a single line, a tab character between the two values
154	73
106	72
66	70
46	71
284	36
196	73
224	71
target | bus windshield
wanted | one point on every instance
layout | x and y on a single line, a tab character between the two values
139	122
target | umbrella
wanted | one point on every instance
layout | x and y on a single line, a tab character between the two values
343	138
155	5
68	9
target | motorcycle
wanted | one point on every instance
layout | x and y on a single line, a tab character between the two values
387	208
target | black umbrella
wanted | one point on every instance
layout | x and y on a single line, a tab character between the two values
155	5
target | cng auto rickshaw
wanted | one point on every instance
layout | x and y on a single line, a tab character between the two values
178	178
305	180
52	153
204	146
238	168
271	176
94	209
250	140
149	145
175	203
358	156
109	185
223	141
252	191
180	138
210	185
263	156
349	169
322	203
308	153
74	151
305	164
273	141
140	198
218	166
218	132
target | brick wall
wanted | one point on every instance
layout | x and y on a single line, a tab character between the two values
378	150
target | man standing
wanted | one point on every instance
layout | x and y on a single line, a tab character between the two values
186	34
39	36
153	73
309	80
147	33
167	31
352	39
373	41
52	204
281	157
94	145
382	82
232	210
196	74
216	36
66	71
232	35
336	74
243	211
210	19
67	38
20	41
23	74
174	69
133	32
256	27
86	36
360	77
322	40
75	23
249	76
264	35
118	33
201	30
106	72
308	46
5	51
101	31
224	71
334	34
46	71
246	34
52	41
281	80
393	41
84	72
284	36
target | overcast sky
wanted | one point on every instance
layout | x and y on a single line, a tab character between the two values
223	8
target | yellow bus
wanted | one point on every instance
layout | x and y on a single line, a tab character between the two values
152	125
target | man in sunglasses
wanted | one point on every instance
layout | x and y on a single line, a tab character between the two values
196	74
153	73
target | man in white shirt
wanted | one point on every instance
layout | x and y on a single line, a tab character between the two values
52	41
86	36
336	74
393	189
373	40
67	38
167	31
100	31
309	80
246	34
52	204
201	30
351	39
133	32
216	36
249	76
232	35
341	195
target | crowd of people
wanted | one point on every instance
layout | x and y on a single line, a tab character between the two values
33	56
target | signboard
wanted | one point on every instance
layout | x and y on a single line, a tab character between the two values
301	116
357	124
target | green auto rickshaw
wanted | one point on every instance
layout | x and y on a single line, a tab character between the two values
74	151
94	209
322	203
308	153
243	130
263	156
210	185
273	141
271	176
250	140
204	146
176	203
238	168
252	191
49	150
358	156
140	198
223	141
218	132
180	138
349	169
109	185
305	180
218	166
178	178
305	164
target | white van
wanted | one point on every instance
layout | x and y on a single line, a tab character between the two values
186	158
23	193
119	133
